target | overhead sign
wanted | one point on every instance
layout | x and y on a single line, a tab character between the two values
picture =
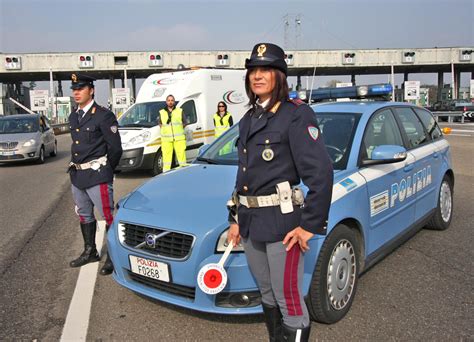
412	90
472	89
39	100
120	98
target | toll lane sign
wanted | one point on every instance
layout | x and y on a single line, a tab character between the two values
412	90
39	100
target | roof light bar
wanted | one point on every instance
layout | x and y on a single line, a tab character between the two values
354	92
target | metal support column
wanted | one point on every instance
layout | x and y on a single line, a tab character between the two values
457	83
440	85
353	79
60	89
298	82
111	86
134	88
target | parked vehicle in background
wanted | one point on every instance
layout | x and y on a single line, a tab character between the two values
26	137
197	93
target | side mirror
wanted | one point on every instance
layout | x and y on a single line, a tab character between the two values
386	154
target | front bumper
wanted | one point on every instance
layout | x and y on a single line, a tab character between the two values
19	154
240	296
134	159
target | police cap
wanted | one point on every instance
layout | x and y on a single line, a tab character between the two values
267	55
79	81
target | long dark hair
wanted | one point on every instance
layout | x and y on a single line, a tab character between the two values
279	92
225	107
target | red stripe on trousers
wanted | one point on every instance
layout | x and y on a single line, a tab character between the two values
290	283
104	195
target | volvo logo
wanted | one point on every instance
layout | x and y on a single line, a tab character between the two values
150	239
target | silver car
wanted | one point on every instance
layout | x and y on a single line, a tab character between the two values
26	137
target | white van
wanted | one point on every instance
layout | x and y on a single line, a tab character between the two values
197	92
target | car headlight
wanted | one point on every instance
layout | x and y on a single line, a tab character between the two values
139	139
30	142
222	244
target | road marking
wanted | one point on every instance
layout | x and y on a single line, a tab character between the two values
461	135
77	320
463	130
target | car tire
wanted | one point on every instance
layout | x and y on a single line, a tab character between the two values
157	164
334	283
40	159
443	215
54	153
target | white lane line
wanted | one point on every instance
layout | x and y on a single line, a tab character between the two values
461	135
462	130
77	320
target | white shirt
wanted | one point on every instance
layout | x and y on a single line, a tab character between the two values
264	103
86	108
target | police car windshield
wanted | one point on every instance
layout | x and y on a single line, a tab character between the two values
337	129
26	125
338	132
223	150
142	114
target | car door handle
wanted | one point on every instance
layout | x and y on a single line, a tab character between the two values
435	155
408	168
198	128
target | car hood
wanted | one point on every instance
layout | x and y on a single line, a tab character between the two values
18	136
185	197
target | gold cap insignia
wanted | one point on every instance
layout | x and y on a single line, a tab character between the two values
74	78
261	50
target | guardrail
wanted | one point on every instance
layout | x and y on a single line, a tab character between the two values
449	115
61	128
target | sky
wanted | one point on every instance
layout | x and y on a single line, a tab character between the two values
145	25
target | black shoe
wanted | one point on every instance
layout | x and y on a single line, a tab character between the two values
296	335
90	253
273	322
108	267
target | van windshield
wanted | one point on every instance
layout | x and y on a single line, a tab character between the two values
142	114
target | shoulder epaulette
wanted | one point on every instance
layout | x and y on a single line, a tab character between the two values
296	102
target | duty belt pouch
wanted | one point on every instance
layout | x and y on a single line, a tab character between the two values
284	192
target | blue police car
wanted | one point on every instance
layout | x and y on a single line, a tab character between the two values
392	176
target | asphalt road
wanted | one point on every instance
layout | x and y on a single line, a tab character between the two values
421	291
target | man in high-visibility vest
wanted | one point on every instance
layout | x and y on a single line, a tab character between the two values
222	119
172	123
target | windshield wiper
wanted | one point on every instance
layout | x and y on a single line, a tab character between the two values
207	160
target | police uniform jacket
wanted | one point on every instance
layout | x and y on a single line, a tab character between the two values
94	136
299	154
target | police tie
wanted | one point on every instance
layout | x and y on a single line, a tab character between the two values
80	114
258	112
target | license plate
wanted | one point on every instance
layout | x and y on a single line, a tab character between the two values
7	153
149	268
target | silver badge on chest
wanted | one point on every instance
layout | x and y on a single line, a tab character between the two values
268	154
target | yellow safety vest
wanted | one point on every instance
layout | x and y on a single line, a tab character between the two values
221	125
172	130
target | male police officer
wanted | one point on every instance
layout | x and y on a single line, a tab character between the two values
95	152
172	123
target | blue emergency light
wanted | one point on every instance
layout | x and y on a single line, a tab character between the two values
354	92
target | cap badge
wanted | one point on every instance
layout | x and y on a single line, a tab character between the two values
74	78
261	50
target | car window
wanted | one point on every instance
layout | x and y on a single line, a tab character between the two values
382	129
18	125
412	126
338	130
429	122
189	110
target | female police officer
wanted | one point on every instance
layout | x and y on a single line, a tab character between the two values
279	145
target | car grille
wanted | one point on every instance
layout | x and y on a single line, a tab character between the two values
10	145
173	245
175	289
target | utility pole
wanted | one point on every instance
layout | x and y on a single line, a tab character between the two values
297	30
286	23
296	20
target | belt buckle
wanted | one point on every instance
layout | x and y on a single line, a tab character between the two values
95	165
252	201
